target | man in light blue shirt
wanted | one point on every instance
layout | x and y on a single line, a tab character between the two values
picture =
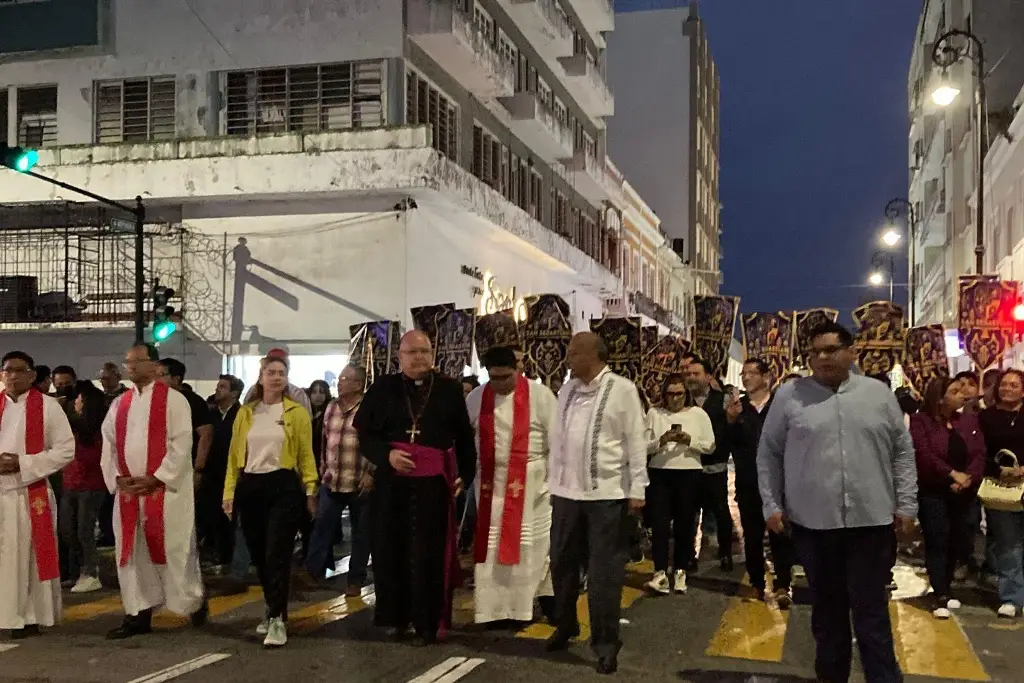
836	469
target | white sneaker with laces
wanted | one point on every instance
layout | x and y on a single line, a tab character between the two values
1007	610
87	584
659	583
941	613
277	634
953	604
679	585
264	627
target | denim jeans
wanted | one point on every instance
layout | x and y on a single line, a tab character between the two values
1007	531
328	517
241	560
945	524
77	522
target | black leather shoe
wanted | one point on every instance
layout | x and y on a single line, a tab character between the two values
26	632
129	629
201	615
727	565
558	642
608	664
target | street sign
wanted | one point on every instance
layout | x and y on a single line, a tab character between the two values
122	225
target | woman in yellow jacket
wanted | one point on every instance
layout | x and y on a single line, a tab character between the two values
271	477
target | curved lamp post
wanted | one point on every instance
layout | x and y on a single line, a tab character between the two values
893	209
950	48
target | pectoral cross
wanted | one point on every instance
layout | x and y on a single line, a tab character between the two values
516	488
38	505
413	433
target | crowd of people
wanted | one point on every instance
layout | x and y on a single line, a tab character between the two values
540	489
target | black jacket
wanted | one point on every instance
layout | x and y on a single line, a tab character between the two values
714	406
746	432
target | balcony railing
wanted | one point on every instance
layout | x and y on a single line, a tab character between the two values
587	84
598	16
545	24
538	125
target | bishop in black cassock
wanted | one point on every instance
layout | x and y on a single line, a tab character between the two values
415	428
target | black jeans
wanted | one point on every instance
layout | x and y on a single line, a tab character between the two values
672	504
270	507
214	529
77	522
714	499
328	518
945	522
847	571
752	519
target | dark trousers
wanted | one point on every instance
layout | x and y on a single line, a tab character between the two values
330	506
591	534
77	522
714	499
106	522
752	519
847	571
270	507
214	529
673	504
945	523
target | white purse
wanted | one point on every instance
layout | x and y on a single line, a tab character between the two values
995	494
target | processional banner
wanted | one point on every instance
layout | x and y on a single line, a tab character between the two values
770	337
545	336
664	359
986	323
806	321
374	347
454	347
497	329
623	337
924	358
713	329
880	336
648	338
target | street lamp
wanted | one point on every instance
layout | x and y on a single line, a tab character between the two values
950	48
890	238
877	277
893	209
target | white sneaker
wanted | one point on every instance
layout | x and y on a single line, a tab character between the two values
659	584
679	585
1007	610
87	584
953	604
264	627
277	634
941	613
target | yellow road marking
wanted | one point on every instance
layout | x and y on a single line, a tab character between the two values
926	646
218	606
750	629
317	615
90	610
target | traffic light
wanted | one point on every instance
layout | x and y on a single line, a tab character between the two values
163	326
18	158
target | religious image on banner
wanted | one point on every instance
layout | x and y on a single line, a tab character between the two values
496	329
805	322
426	318
546	335
453	350
769	336
374	347
664	359
880	336
986	323
714	326
648	338
622	336
924	358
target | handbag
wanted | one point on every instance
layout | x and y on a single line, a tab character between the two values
995	494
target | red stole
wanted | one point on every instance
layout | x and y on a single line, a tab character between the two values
129	505
44	539
511	530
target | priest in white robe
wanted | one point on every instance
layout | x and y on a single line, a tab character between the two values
513	419
35	441
147	464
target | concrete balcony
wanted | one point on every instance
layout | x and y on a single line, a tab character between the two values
536	124
544	24
591	178
597	16
587	85
453	40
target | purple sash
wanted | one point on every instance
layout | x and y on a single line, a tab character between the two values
433	462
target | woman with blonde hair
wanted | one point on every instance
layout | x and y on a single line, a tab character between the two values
272	478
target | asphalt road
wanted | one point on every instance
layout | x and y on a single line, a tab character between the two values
711	634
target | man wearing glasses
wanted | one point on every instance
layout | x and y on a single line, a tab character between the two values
836	470
35	441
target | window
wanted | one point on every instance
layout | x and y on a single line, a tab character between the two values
305	98
36	116
426	105
136	110
3	114
484	23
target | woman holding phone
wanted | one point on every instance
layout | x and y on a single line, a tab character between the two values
678	434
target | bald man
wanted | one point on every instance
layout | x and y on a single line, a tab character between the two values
597	476
414	427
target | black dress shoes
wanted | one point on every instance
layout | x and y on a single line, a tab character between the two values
558	642
139	625
608	664
201	615
27	631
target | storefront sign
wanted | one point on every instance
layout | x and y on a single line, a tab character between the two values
472	271
494	300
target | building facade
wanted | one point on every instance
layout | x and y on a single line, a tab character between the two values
311	167
669	147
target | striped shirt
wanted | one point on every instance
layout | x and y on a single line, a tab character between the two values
343	462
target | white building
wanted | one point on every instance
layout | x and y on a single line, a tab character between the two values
307	166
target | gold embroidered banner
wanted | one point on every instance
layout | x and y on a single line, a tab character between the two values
426	318
986	322
648	338
374	347
623	338
924	358
496	329
454	348
880	336
546	335
662	360
805	322
713	329
769	336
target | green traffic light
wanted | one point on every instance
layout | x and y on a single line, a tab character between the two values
26	161
162	331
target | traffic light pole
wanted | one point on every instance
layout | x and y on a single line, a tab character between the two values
139	212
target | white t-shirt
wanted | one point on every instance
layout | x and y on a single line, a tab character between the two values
266	439
675	456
